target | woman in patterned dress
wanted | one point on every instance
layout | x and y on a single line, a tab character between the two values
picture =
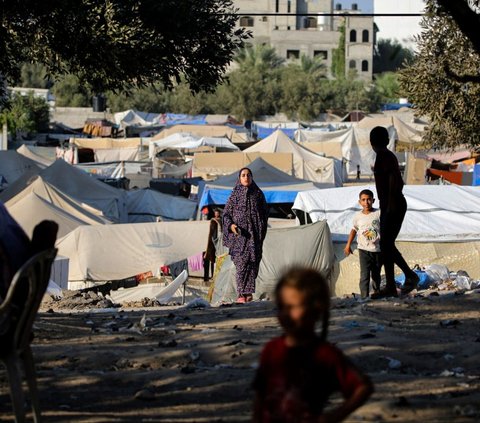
244	229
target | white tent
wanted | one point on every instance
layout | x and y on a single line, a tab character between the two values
31	209
306	164
308	245
186	140
278	186
14	165
78	185
355	147
108	252
435	212
145	205
42	156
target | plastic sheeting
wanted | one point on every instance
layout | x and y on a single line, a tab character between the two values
306	164
109	252
277	186
308	245
435	212
146	204
13	165
75	183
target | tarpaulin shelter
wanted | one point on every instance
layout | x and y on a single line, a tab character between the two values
212	165
278	186
222	131
78	185
13	165
306	164
110	252
145	205
442	226
308	246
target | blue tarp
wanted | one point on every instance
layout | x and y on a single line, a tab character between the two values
220	196
395	106
265	132
476	175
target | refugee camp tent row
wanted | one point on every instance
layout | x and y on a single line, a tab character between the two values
442	225
77	185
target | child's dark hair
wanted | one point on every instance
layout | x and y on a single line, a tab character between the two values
365	192
315	287
379	136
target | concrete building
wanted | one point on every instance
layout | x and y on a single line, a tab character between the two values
311	28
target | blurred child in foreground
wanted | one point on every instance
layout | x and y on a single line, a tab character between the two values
300	370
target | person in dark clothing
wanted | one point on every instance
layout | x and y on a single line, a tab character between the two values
244	229
210	253
393	206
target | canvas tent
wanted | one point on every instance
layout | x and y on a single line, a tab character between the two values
42	156
203	131
277	186
145	205
14	165
308	245
31	209
211	165
185	140
109	252
306	164
356	148
79	186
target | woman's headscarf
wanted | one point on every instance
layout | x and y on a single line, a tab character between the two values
247	208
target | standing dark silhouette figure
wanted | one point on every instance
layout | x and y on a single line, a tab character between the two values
393	206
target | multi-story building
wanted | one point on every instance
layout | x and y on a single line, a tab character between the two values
311	28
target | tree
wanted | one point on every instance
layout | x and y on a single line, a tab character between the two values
390	56
434	83
26	113
69	92
34	76
388	87
114	44
300	83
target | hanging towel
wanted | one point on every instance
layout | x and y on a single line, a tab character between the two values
195	262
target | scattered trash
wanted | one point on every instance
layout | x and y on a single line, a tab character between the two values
198	303
393	363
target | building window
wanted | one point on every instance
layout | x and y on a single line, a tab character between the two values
293	54
264	19
321	53
352	64
310	23
276	5
246	21
289	6
288	28
365	36
364	65
353	36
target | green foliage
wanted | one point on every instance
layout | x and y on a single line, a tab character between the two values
69	92
438	82
25	113
117	44
388	87
390	56
34	75
338	56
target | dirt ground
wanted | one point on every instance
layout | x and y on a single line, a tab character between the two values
179	364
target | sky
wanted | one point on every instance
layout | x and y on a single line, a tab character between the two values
397	28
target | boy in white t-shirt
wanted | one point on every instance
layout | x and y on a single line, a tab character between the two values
366	225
